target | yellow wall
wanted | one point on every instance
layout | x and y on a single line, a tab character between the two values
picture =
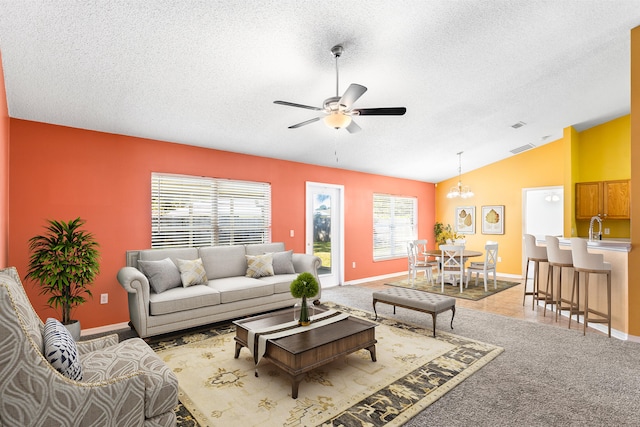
595	154
602	153
501	183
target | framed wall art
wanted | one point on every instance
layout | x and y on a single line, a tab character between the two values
492	219
465	220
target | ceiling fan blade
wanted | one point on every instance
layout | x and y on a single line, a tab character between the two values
353	127
292	104
391	111
354	91
315	119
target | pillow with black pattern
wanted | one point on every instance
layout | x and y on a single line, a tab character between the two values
61	351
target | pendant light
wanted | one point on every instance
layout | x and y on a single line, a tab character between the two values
460	190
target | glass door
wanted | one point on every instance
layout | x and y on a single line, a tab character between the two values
324	230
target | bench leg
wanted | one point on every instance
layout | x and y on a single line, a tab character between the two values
433	315
374	308
453	314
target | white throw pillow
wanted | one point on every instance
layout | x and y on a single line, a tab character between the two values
192	272
259	265
61	351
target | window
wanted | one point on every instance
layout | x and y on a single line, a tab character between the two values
395	223
190	211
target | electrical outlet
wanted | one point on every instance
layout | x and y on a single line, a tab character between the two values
353	265
606	231
499	259
291	233
104	298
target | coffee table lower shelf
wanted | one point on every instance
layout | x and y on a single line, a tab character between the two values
298	354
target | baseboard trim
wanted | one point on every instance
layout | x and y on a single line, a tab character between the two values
103	329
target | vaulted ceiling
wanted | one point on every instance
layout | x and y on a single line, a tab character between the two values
206	73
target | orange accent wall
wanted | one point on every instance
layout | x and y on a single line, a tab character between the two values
62	173
4	171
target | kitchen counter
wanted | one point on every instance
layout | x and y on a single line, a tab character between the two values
621	245
615	252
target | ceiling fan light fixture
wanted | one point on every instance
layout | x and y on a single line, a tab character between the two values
337	120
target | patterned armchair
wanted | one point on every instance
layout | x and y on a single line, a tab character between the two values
123	384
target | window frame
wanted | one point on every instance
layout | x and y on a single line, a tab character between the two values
196	211
392	242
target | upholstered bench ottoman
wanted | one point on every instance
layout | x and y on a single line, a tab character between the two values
416	300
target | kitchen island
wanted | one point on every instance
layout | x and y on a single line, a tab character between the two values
615	252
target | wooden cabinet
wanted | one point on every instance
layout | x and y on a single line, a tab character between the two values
606	199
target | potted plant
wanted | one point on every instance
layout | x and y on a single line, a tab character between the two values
443	232
304	286
64	262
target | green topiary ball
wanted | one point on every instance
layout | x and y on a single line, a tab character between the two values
305	285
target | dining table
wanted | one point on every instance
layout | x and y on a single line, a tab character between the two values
466	254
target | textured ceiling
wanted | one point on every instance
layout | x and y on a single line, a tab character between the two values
206	73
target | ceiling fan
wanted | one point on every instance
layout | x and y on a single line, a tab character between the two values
338	111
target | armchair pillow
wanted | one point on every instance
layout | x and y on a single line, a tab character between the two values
61	351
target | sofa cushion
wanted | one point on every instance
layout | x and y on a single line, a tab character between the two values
259	265
223	261
263	248
192	272
182	299
61	351
240	288
162	274
282	262
281	282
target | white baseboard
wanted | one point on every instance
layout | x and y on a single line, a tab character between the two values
103	329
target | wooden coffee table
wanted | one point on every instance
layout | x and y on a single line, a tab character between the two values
300	353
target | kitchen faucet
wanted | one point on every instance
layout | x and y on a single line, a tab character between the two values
591	234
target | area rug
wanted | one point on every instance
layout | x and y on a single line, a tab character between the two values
412	371
471	292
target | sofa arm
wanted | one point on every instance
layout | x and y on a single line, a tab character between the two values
137	285
308	263
96	344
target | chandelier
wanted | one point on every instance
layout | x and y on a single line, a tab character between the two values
459	190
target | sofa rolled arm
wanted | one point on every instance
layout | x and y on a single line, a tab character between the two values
128	275
308	263
96	344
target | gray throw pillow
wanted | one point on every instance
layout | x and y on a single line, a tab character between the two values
282	262
162	274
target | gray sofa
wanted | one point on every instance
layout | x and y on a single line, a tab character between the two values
226	292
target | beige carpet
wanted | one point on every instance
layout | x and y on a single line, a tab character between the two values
412	371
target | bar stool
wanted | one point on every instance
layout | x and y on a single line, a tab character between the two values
586	263
535	254
561	259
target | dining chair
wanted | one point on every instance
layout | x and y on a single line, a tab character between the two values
561	259
452	264
537	255
417	261
486	266
587	264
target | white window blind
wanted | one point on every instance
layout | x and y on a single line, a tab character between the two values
189	211
395	223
